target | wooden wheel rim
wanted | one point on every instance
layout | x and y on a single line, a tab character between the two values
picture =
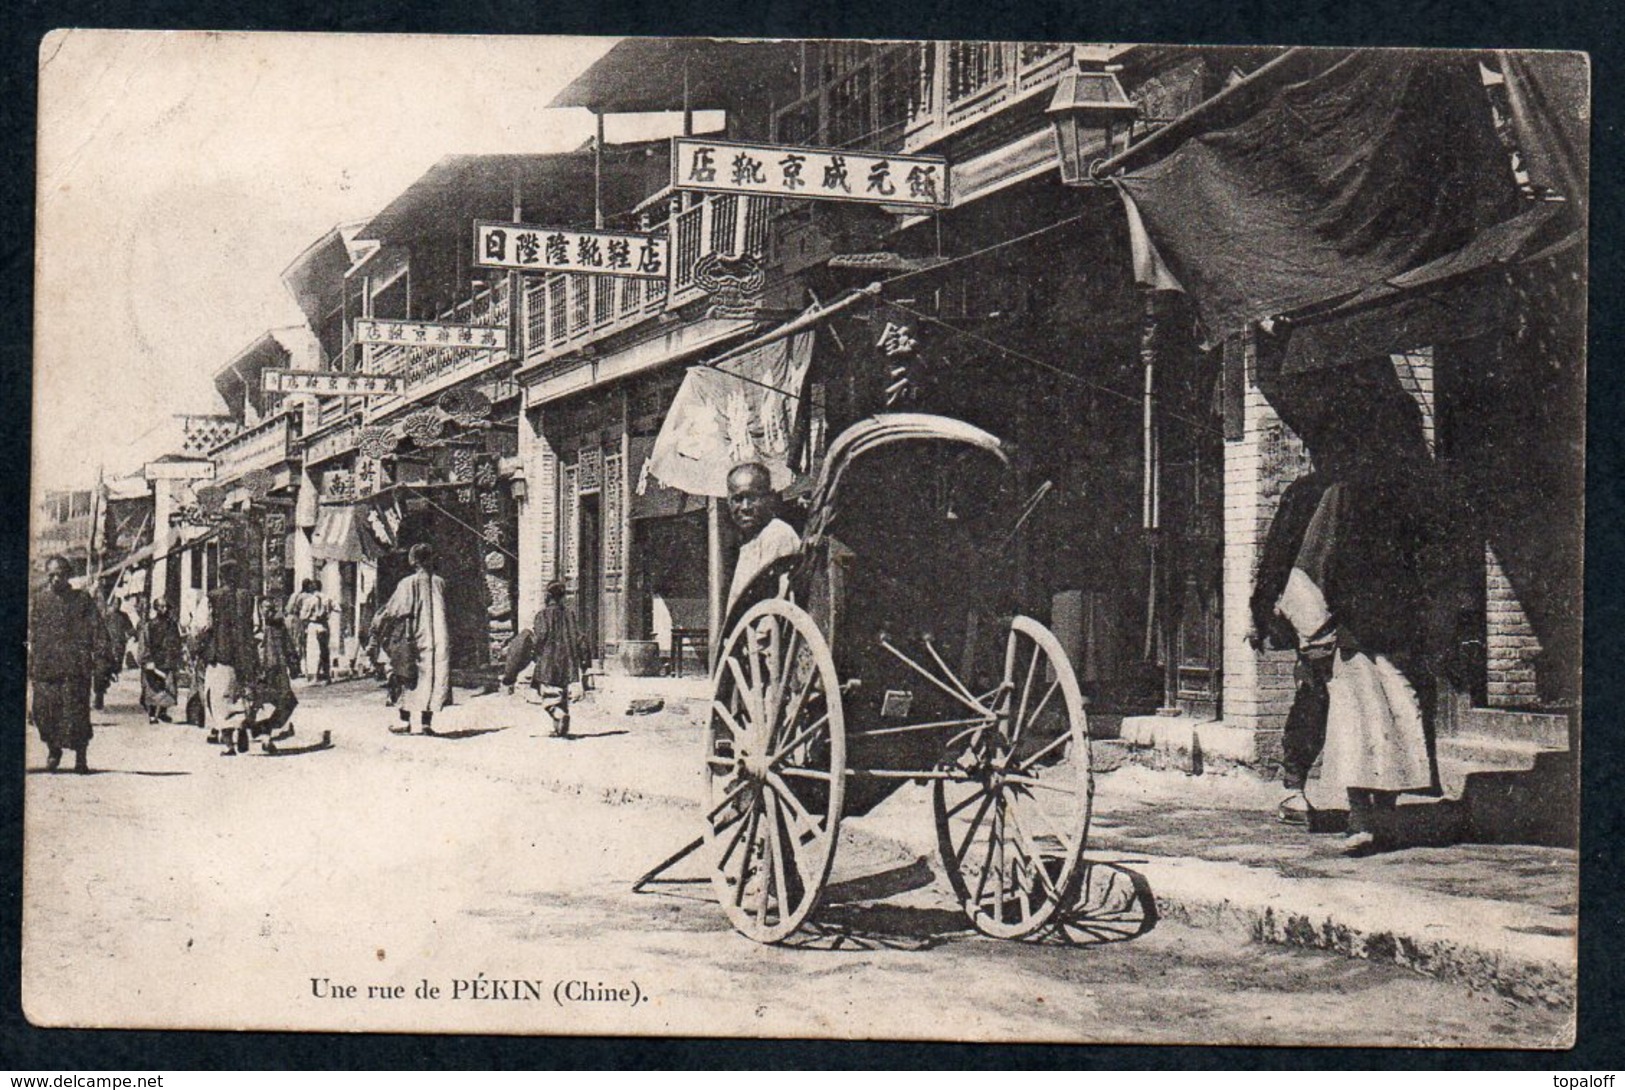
1017	827
776	720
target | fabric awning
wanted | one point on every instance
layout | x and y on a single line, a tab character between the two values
1447	299
1376	164
337	535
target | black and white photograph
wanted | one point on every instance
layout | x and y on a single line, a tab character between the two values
924	540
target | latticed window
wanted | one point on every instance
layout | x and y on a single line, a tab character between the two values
687	234
580	302
572	525
556	307
973	67
799	123
898	74
724	222
839	58
851	108
614	541
631	295
603	308
756	217
535	312
1030	53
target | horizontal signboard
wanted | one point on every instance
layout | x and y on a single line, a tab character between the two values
830	174
329	383
430	334
556	249
178	471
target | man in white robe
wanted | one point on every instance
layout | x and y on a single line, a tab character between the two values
419	604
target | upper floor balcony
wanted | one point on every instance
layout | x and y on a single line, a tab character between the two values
429	363
910	96
567	311
262	446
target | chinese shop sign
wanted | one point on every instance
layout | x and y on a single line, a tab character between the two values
329	383
179	471
770	170
553	249
430	334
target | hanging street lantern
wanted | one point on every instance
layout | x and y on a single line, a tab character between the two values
1092	115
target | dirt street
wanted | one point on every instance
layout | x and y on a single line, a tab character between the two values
480	881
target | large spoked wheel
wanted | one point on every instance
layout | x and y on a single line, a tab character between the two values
775	770
1013	813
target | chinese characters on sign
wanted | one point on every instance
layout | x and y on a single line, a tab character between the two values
430	334
716	166
330	383
179	471
553	249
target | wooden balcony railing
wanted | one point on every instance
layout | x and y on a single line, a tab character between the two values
908	96
564	311
419	365
263	446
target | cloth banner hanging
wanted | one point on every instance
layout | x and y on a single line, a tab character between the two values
1150	271
743	412
1379	163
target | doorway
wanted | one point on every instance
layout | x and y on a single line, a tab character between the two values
589	549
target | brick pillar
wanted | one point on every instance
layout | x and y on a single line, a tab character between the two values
1261	457
538	516
1510	642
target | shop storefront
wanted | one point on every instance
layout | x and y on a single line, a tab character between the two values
444	474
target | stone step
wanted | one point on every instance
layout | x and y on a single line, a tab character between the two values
1549	730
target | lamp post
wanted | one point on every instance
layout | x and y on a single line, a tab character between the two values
1090	113
1093	118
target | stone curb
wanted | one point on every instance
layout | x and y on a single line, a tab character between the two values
1510	949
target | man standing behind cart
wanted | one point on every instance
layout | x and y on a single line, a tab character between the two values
764	537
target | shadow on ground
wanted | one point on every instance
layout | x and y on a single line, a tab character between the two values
1115	905
105	772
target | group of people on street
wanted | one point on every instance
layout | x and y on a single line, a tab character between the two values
245	655
78	647
308	620
248	650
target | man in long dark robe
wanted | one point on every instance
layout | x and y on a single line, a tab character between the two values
230	658
271	698
160	658
110	655
65	637
1305	731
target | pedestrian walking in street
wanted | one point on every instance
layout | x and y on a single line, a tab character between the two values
415	633
295	628
315	611
110	656
230	660
1359	587
65	637
1304	734
561	651
272	693
159	656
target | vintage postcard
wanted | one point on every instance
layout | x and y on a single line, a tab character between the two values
988	541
